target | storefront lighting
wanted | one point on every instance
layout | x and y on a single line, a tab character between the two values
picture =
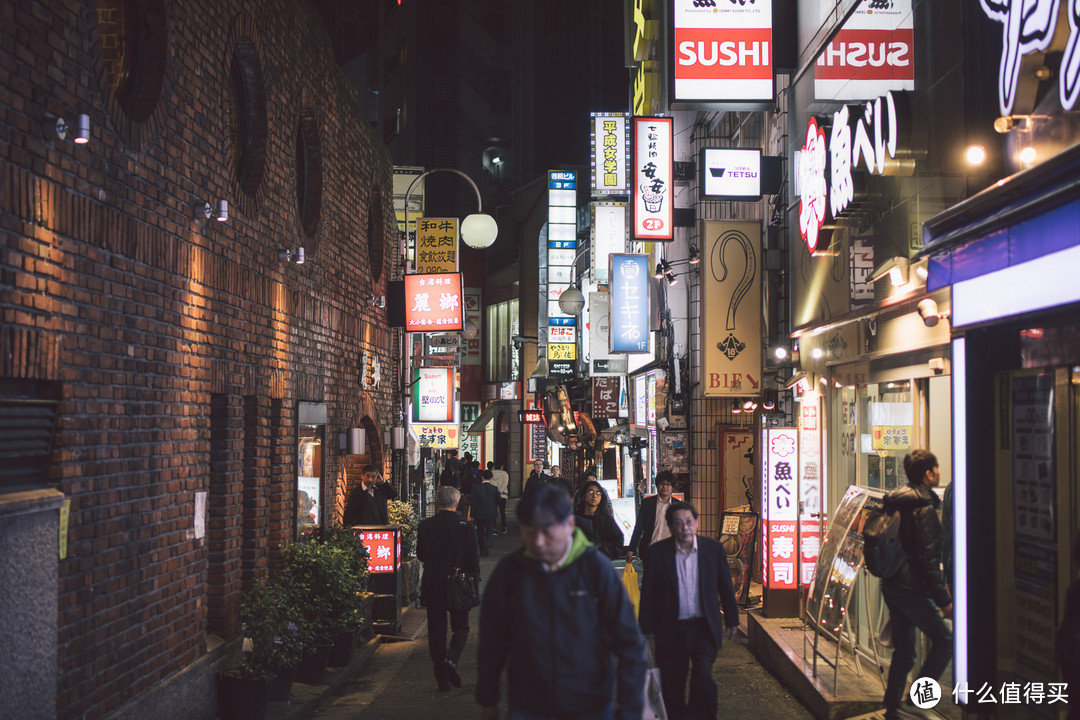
823	381
695	255
817	353
659	274
895	267
1028	155
748	405
781	352
975	155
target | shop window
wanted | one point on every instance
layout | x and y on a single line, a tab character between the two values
310	499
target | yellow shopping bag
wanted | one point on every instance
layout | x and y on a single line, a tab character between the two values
630	581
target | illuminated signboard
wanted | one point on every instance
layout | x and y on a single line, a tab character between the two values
561	252
872	53
532	416
731	173
433	394
653	167
605	397
433	303
608	236
810	480
723	53
628	317
438	436
641	400
781	507
874	138
383	544
436	245
651	391
610	148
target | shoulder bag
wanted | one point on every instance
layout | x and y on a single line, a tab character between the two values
463	588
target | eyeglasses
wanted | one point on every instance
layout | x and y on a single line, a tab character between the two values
594	491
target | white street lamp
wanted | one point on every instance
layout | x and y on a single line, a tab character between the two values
478	230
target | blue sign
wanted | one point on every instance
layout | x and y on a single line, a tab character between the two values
562	244
562	180
562	321
629	309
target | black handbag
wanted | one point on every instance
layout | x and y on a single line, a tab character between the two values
463	586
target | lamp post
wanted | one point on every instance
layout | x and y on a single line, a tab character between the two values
478	231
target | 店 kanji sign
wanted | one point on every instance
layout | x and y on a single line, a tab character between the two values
433	302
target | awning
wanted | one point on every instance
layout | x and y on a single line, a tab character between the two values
480	425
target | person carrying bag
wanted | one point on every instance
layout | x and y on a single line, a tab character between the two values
463	584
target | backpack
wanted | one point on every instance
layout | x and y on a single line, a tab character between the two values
882	551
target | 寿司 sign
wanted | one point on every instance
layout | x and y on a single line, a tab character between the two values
723	52
780	505
433	302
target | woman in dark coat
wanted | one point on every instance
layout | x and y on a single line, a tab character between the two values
592	506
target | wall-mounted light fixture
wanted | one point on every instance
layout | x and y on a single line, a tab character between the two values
57	128
975	155
695	255
354	442
895	267
929	312
219	210
295	256
376	301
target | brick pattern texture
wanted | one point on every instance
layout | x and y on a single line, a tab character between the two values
182	346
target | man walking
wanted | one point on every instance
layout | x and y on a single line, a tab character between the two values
679	608
537	477
501	480
442	542
485	510
557	614
916	592
651	526
367	501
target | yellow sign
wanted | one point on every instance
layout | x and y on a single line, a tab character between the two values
436	245
65	514
891	437
562	351
440	436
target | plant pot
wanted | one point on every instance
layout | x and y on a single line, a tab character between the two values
312	668
281	685
342	652
242	698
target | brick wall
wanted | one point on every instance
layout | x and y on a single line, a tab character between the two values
182	346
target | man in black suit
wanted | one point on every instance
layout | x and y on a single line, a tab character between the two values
367	501
485	510
687	573
650	526
445	542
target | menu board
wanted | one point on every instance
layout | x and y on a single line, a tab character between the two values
738	531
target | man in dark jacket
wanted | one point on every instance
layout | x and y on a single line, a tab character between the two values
444	542
536	478
556	612
917	591
651	526
367	501
485	511
687	574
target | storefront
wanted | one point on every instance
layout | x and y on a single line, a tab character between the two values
1010	255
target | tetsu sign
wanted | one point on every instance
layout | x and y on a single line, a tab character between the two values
723	52
433	302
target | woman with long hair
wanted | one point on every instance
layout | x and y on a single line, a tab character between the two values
592	505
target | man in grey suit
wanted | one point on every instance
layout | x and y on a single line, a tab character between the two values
685	576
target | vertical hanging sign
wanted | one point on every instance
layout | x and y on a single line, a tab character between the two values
562	241
610	148
436	245
653	165
781	507
628	316
731	308
810	472
722	55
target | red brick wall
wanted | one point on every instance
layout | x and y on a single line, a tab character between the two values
145	316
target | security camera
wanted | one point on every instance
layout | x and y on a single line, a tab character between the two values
928	311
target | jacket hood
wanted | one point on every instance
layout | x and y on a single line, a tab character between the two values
578	545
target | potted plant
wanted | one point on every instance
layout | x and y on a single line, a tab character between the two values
328	578
350	613
405	515
273	640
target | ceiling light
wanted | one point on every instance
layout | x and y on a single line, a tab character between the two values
895	267
1028	155
975	155
781	352
817	353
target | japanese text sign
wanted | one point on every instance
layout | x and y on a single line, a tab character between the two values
723	54
872	53
653	168
605	398
781	507
436	245
383	544
733	173
433	394
628	313
609	153
440	436
433	302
